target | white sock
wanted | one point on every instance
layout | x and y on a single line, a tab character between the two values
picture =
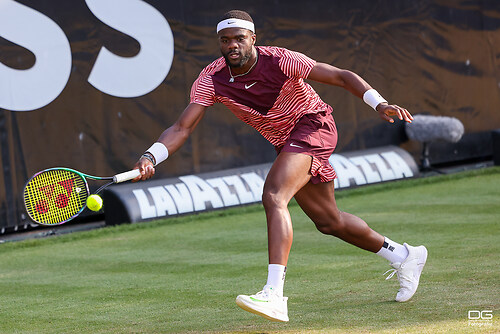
393	251
276	277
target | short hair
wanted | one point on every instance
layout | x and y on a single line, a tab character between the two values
237	14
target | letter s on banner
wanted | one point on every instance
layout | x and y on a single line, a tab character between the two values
26	90
138	75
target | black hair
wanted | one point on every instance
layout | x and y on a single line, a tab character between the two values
237	14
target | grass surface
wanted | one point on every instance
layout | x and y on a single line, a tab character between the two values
182	275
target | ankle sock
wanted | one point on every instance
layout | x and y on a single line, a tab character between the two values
276	277
393	251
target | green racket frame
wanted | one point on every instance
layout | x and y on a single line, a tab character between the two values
56	195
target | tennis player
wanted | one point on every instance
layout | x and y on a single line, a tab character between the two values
264	87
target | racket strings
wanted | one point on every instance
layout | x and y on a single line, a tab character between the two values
55	196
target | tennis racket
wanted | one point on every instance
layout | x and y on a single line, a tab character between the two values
54	196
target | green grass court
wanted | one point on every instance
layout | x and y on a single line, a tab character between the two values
183	274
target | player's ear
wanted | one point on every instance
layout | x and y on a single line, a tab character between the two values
254	39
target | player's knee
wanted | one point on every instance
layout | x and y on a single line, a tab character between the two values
333	226
272	199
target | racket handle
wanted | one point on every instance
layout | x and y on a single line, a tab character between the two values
130	175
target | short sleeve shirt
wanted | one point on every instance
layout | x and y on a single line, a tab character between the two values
272	97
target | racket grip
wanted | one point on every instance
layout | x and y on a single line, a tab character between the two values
122	177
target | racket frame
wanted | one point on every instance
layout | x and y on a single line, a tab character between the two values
113	179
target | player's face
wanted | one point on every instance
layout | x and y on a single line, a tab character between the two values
236	45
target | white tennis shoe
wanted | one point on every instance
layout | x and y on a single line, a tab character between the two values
266	303
408	272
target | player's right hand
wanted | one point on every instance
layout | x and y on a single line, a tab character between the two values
146	168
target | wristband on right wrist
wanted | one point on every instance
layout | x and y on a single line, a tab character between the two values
150	157
159	152
373	98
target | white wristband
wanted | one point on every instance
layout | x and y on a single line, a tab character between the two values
159	152
373	98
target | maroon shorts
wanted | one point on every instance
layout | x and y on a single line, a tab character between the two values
314	135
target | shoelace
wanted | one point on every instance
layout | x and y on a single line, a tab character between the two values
404	282
262	294
392	272
265	293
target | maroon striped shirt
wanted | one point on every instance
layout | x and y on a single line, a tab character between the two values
271	98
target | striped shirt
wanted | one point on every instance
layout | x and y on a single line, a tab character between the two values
271	98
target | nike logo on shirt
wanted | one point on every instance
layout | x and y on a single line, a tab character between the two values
248	86
295	145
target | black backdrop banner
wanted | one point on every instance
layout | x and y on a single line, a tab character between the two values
90	85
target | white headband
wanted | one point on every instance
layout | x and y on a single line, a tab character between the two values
235	23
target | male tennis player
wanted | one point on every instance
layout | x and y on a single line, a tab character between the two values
264	87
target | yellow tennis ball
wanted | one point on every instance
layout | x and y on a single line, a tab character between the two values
94	202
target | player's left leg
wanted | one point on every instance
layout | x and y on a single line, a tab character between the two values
318	202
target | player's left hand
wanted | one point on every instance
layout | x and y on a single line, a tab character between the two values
387	111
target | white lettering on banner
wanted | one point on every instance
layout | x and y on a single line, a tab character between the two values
255	183
197	194
244	195
138	75
194	194
163	202
371	175
336	183
371	168
33	88
147	210
346	171
36	87
201	192
229	198
181	196
382	167
398	165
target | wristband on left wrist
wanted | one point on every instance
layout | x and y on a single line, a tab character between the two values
381	104
373	98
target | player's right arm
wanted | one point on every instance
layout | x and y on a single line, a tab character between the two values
173	137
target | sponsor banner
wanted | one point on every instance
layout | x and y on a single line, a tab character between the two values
376	165
187	194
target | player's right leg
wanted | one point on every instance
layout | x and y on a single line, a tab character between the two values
289	173
318	202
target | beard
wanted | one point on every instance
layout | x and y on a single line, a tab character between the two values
245	57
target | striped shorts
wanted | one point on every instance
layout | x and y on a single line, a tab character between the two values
314	135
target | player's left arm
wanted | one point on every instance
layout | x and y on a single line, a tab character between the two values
352	82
